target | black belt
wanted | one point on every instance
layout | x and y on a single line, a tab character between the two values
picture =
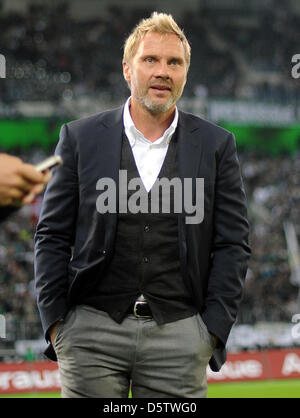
140	309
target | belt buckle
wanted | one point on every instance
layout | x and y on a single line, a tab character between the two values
139	302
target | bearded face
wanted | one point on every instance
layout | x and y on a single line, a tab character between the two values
157	72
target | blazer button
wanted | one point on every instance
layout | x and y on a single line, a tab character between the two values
104	252
147	228
145	259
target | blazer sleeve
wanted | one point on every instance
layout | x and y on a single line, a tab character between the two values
54	235
230	252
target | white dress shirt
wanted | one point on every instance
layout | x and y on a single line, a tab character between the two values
149	156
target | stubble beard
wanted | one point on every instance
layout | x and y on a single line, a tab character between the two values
157	108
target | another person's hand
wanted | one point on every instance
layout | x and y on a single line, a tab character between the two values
19	182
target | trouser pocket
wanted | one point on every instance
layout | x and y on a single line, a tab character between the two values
204	331
63	327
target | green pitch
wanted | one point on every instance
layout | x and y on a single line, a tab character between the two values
264	389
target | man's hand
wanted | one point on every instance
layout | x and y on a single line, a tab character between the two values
19	182
52	332
215	340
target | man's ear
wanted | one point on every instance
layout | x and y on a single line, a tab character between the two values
126	72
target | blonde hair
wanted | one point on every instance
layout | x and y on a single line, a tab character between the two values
158	23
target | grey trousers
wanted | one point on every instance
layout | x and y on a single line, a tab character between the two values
100	358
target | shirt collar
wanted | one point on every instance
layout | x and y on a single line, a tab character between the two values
134	134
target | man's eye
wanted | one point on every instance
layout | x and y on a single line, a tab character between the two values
149	59
174	62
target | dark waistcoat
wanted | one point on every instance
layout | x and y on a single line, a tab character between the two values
146	252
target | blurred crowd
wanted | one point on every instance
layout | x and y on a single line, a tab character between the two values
272	186
273	189
235	54
17	297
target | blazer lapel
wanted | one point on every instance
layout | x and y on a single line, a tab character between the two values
189	147
110	144
108	155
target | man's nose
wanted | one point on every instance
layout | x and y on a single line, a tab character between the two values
162	70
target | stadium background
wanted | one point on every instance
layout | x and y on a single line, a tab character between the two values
63	61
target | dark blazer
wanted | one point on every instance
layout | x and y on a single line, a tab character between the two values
74	241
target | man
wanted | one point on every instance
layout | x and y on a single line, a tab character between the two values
19	184
146	298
